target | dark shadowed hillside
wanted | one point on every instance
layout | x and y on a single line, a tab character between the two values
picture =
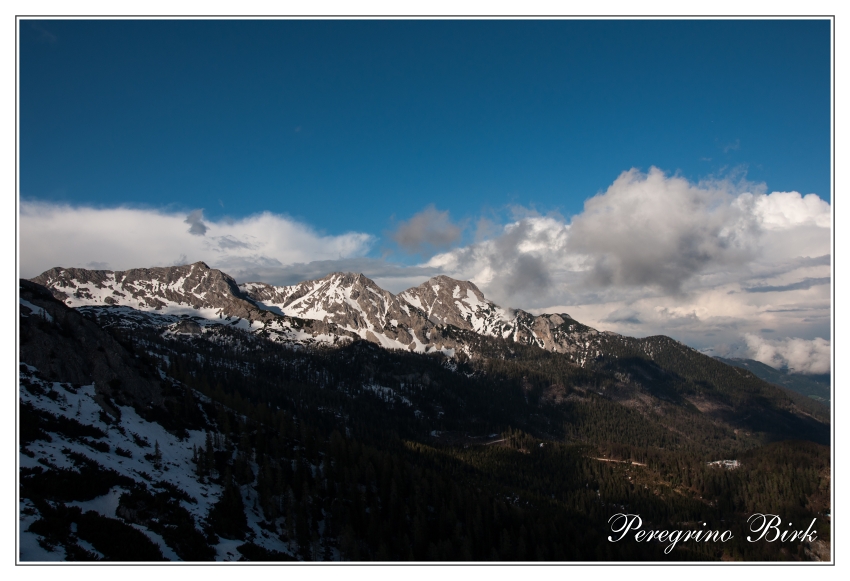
148	436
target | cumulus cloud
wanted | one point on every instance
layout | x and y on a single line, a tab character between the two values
703	262
654	230
783	210
61	235
650	229
649	233
796	355
515	265
427	230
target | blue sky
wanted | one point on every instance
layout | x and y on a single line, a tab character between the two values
644	176
351	124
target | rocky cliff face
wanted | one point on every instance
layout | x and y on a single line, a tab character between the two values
459	303
441	314
196	286
163	296
352	302
447	301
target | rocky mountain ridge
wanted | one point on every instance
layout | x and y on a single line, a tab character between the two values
441	314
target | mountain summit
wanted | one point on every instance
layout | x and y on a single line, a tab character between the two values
171	289
441	314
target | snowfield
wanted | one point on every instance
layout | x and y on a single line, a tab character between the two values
136	438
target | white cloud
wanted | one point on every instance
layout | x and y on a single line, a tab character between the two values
654	230
515	266
798	355
656	254
783	210
706	263
121	238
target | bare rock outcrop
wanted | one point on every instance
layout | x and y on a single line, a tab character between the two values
64	345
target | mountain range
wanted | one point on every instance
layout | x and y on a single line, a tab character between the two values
337	307
441	316
172	413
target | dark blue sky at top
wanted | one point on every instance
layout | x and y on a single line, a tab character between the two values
349	125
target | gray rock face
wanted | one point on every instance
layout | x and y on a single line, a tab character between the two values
338	306
461	304
193	289
352	302
447	301
357	304
194	285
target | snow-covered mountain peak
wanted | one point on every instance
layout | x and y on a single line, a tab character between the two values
172	289
353	302
341	305
316	299
460	303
